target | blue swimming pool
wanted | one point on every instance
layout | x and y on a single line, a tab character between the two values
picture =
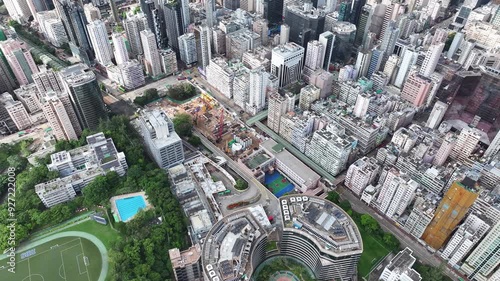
128	207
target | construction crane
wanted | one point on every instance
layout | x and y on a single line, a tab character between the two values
221	125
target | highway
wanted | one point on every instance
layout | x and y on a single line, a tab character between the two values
406	240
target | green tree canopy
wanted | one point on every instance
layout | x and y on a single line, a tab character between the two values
241	184
369	224
183	124
333	196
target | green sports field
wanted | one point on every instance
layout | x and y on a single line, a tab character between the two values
68	258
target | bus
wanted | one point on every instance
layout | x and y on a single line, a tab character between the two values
225	192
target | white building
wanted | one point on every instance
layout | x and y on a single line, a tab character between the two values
61	116
494	146
121	54
47	80
278	106
307	96
315	55
395	195
92	13
187	48
259	79
132	74
203	45
16	111
327	39
162	142
286	63
100	42
18	10
483	262
463	240
151	55
360	174
284	33
445	149
431	59
466	143
28	96
399	269
330	148
134	24
55	192
409	59
168	61
437	115
55	32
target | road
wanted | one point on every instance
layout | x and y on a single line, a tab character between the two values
406	240
254	186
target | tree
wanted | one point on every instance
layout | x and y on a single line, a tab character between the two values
390	241
194	140
183	124
182	91
148	96
17	162
345	205
100	189
369	224
430	273
333	197
241	184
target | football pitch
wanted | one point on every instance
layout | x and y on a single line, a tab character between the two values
67	258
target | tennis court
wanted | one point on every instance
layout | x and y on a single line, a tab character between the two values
278	184
68	258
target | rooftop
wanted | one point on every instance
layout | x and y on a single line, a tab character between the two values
326	224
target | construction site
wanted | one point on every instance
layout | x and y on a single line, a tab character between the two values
217	124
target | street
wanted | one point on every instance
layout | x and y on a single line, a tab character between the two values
254	186
406	240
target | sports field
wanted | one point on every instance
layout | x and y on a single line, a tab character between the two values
277	184
67	258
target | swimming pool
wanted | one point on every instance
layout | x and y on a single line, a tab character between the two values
128	207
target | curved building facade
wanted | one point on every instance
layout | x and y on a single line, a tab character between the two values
313	230
322	235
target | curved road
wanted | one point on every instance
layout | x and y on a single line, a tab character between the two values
92	238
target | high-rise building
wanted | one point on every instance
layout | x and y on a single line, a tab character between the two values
395	195
187	48
416	89
278	106
92	13
376	58
390	68
437	115
18	10
7	82
134	24
121	54
162	142
483	262
408	60
176	22
286	63
151	54
259	80
463	240
28	96
452	209
16	111
20	60
61	116
210	13
327	39
202	34
362	26
314	56
431	59
445	149
466	143
306	23
47	80
284	34
345	33
260	26
307	96
330	148
187	264
132	74
362	63
83	89
421	215
99	39
168	61
400	268
494	147
75	22
55	32
440	36
361	174
455	44
389	40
